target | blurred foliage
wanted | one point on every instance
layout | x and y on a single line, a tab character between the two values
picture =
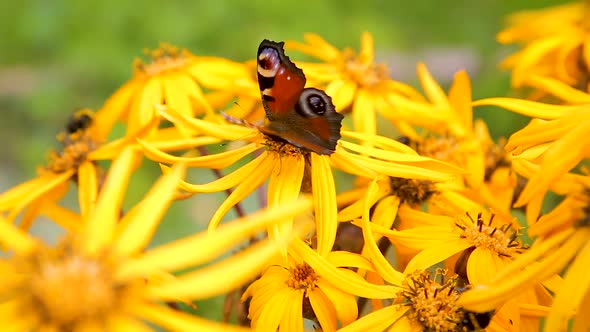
59	55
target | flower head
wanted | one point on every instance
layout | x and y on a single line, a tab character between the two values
554	41
102	276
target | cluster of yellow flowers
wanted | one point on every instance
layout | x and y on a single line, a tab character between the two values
413	232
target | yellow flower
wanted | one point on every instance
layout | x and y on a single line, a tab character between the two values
285	165
307	285
554	46
424	304
103	276
174	77
552	145
486	247
547	257
356	83
84	142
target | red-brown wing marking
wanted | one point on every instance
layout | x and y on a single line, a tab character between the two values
286	90
280	81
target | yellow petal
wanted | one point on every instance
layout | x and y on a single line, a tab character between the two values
530	108
436	254
224	131
345	162
216	161
481	267
377	321
120	323
63	217
174	320
221	277
363	113
379	141
351	281
324	196
228	181
323	309
170	139
576	287
349	259
434	92
19	197
558	89
582	322
142	111
366	55
559	159
284	186
532	55
381	263
272	313
342	92
100	227
245	188
138	226
460	99
87	188
15	239
343	302
14	195
292	319
115	107
201	247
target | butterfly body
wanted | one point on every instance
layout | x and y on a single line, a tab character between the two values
303	117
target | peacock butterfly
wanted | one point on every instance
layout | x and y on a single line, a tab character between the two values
303	117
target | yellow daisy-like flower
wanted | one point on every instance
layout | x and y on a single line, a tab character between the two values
356	83
555	42
174	77
285	165
103	276
486	247
307	285
567	234
84	142
424	303
556	141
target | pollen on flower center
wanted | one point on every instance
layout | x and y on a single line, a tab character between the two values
67	288
440	148
365	74
282	147
165	58
502	239
412	191
302	277
432	304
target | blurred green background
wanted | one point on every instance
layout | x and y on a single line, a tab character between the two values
59	55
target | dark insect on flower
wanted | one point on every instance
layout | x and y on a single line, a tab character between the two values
474	321
80	120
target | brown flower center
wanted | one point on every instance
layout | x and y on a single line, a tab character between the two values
164	59
412	191
302	277
365	74
440	148
433	304
66	288
500	238
282	147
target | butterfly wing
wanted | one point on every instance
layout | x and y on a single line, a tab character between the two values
280	81
303	117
